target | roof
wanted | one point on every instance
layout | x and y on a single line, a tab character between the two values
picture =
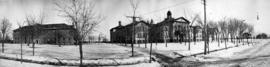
136	22
173	20
129	25
47	27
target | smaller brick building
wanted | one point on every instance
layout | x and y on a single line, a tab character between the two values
45	34
123	34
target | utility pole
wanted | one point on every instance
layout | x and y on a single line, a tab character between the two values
133	32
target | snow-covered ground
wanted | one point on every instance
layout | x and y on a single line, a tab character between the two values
94	54
12	63
256	55
243	51
103	51
181	49
174	50
90	51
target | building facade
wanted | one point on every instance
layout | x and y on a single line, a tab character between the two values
136	31
169	30
45	34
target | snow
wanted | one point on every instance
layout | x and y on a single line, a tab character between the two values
175	50
240	52
118	54
94	54
12	63
91	51
181	49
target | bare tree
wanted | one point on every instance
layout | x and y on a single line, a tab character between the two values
5	26
232	28
82	16
33	21
212	26
224	29
250	30
21	38
242	28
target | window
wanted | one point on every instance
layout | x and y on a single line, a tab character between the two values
165	28
114	30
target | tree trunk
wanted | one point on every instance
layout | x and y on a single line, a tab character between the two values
185	41
247	42
145	44
2	47
205	44
226	42
189	40
165	40
3	43
236	41
150	52
145	41
28	41
251	40
218	38
81	52
132	49
231	38
33	46
21	51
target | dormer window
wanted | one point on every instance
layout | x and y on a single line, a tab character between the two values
114	30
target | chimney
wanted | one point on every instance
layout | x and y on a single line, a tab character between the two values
169	14
119	23
151	22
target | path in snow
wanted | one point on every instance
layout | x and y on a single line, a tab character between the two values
256	56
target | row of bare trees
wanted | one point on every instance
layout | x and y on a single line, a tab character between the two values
231	28
5	26
228	28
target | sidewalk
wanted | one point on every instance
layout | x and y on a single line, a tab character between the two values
199	48
55	61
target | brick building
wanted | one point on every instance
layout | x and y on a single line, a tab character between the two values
121	34
170	30
45	34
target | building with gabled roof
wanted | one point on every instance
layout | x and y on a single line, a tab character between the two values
170	29
123	34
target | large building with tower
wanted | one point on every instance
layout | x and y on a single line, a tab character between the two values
169	30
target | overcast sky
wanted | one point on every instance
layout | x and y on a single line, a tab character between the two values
117	10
